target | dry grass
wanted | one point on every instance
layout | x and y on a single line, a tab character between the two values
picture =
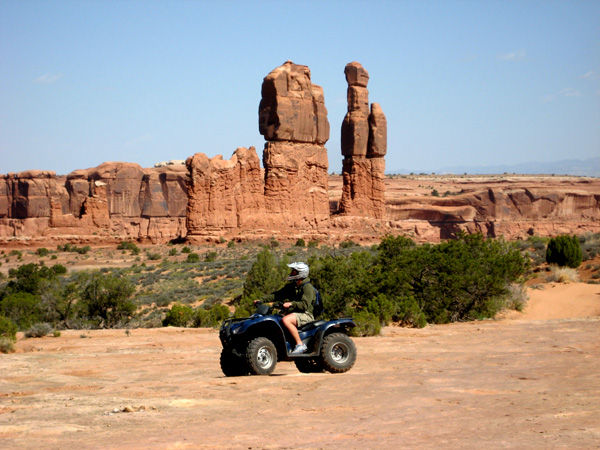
562	275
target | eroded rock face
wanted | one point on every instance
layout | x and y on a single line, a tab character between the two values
364	144
513	209
110	199
224	194
296	184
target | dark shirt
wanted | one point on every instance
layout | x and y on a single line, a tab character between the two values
301	297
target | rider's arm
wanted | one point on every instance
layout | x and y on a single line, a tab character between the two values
281	295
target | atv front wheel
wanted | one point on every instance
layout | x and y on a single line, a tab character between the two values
261	356
338	353
232	365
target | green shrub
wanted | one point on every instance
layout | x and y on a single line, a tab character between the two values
39	330
178	316
28	277
105	299
212	317
210	256
8	329
192	258
74	249
153	256
348	244
6	345
409	313
382	308
42	252
367	324
131	246
265	276
173	252
563	251
300	243
22	308
186	249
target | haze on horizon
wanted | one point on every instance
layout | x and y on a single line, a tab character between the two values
462	83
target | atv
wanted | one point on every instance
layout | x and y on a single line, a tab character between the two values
253	345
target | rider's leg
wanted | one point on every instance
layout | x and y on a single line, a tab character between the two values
291	324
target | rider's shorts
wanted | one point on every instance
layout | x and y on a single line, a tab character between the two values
303	318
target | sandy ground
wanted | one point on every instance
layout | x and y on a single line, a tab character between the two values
531	380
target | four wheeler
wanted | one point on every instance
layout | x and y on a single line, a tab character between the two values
253	345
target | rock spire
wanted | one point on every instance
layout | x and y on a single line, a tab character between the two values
364	145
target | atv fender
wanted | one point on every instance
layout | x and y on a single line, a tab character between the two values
337	325
266	327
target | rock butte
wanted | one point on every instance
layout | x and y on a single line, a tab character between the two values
204	199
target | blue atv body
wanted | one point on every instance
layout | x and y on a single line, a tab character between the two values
254	345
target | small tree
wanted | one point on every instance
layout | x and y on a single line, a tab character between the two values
22	308
563	251
106	299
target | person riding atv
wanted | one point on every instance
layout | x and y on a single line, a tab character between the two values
253	345
300	296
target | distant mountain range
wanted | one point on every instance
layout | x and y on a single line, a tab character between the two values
584	168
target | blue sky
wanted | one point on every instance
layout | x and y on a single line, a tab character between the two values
461	82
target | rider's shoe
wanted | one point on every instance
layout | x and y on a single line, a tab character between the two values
301	348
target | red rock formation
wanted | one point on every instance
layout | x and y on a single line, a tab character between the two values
296	185
292	108
291	196
112	199
224	194
514	209
364	144
293	120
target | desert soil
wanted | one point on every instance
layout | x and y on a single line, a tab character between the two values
529	380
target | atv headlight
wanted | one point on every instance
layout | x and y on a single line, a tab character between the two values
236	329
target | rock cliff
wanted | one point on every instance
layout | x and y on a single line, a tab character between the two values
115	199
292	195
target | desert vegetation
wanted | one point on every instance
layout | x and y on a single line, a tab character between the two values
468	278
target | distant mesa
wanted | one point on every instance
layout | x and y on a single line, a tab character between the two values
290	196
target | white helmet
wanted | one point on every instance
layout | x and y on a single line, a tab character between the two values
301	271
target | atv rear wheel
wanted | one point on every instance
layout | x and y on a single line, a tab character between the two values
232	365
338	353
261	356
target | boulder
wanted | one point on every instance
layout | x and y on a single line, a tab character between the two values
356	74
292	108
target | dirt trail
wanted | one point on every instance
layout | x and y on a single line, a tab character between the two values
533	382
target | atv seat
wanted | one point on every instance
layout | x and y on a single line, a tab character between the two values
312	325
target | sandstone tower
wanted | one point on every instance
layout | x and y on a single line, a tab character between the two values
293	119
364	145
